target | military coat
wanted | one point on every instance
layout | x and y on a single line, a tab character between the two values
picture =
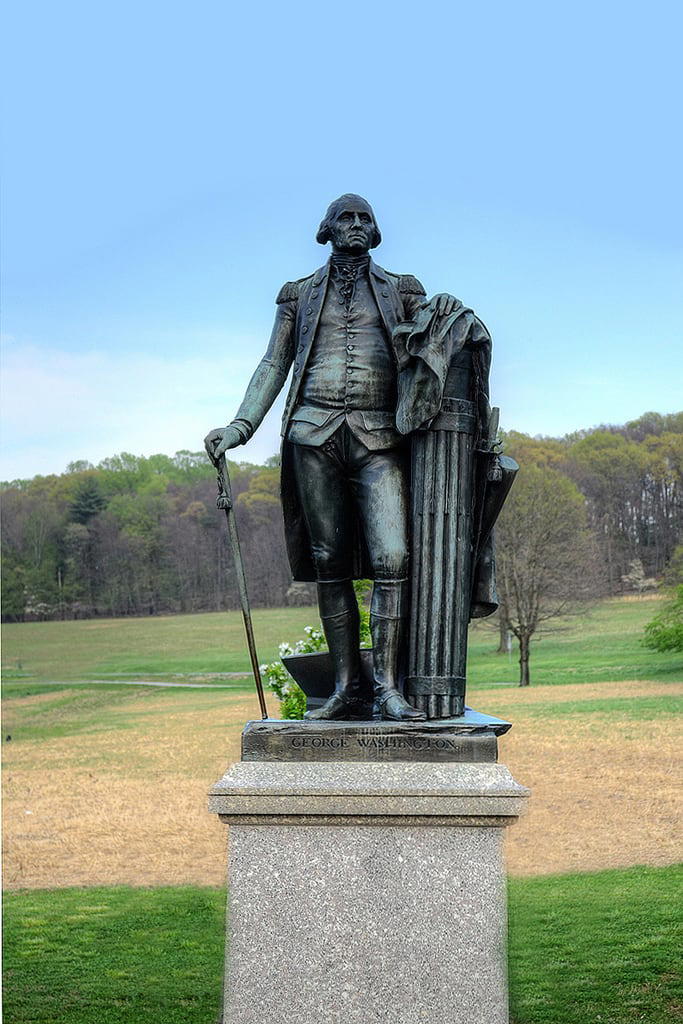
299	305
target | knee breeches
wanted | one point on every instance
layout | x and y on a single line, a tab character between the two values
343	480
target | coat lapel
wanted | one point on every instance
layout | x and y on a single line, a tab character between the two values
308	314
310	310
388	302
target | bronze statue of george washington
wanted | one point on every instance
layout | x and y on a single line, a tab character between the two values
345	332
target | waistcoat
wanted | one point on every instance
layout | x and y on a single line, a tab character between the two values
351	371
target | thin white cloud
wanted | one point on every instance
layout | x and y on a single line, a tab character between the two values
61	406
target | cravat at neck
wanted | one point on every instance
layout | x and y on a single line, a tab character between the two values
348	261
348	268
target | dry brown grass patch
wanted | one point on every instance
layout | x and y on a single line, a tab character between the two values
128	806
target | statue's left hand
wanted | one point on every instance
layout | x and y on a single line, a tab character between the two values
444	304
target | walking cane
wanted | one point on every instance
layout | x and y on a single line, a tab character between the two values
224	501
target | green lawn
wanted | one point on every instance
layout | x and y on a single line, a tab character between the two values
602	645
599	947
584	949
109	956
79	708
159	647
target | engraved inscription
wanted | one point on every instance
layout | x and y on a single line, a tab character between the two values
377	742
369	741
335	742
408	742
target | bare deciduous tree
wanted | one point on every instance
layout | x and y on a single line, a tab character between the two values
546	555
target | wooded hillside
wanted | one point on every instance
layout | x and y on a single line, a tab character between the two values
136	536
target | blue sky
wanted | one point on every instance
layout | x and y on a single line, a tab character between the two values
166	167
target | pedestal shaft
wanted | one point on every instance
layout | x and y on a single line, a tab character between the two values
366	892
353	924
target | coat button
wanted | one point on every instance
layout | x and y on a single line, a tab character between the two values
314	295
309	311
300	349
304	329
385	293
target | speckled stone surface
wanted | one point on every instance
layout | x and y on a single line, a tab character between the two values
370	897
477	791
363	924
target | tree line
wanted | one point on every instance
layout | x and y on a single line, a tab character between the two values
142	536
139	536
593	513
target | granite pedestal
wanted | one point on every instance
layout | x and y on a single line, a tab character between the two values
367	891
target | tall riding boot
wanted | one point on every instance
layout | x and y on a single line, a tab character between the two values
387	628
341	625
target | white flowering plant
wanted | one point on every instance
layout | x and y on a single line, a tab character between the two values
292	698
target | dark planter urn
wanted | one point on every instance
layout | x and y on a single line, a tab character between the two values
315	674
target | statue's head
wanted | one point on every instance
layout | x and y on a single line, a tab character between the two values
349	225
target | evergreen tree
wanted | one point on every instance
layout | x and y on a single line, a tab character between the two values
87	501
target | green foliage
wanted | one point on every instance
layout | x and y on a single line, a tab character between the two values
362	590
654	424
597	948
631	478
142	552
665	632
545	452
673	576
262	497
147	554
14	587
292	698
87	501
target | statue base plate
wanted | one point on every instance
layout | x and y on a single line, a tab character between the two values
472	737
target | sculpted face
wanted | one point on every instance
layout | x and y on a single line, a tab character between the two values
352	229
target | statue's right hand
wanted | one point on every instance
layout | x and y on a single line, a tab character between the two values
220	440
